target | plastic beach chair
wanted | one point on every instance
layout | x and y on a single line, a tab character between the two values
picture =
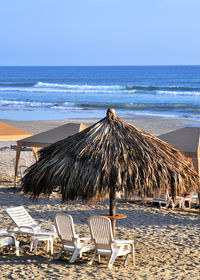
162	198
70	240
8	239
105	244
27	225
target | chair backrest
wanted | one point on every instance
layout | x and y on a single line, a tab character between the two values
20	216
22	161
65	228
160	194
101	232
22	170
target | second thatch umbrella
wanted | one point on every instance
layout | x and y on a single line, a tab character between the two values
108	157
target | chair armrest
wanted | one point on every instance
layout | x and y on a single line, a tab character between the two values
20	229
7	234
12	228
49	226
122	242
85	238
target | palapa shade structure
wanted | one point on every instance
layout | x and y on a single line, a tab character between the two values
108	157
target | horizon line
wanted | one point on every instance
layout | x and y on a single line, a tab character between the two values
122	65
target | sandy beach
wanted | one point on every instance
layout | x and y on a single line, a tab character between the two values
166	241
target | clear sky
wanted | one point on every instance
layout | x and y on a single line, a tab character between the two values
99	32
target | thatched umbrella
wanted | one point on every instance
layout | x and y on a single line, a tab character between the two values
108	157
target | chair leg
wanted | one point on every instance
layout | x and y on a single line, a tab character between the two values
133	256
126	259
59	254
99	258
51	242
35	246
75	255
31	245
93	257
17	247
112	259
48	246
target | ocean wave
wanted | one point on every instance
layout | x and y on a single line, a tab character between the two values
92	91
157	88
70	86
131	106
109	89
56	90
33	89
19	103
194	93
16	84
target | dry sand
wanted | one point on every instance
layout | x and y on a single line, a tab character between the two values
166	242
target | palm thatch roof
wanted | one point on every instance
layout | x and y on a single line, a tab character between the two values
109	156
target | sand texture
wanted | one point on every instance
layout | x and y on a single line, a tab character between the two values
166	242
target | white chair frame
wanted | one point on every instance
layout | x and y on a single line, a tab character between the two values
8	239
105	244
70	240
25	224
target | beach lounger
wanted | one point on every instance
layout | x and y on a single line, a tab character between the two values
8	239
27	225
105	244
186	198
70	240
162	198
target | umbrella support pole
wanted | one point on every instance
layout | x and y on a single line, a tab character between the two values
113	209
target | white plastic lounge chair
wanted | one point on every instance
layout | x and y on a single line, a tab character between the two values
8	239
70	240
26	224
35	239
105	244
162	198
184	199
21	162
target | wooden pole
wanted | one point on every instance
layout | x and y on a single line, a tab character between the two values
198	160
34	150
113	208
198	157
17	162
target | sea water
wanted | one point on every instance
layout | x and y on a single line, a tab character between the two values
47	93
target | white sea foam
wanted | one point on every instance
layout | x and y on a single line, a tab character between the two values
55	85
162	92
55	90
24	103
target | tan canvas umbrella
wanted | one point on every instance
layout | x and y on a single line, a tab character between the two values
108	157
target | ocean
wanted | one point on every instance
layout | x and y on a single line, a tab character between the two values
55	93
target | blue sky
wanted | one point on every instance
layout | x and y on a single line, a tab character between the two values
100	32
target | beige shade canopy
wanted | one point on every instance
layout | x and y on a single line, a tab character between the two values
47	138
51	136
10	133
186	140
